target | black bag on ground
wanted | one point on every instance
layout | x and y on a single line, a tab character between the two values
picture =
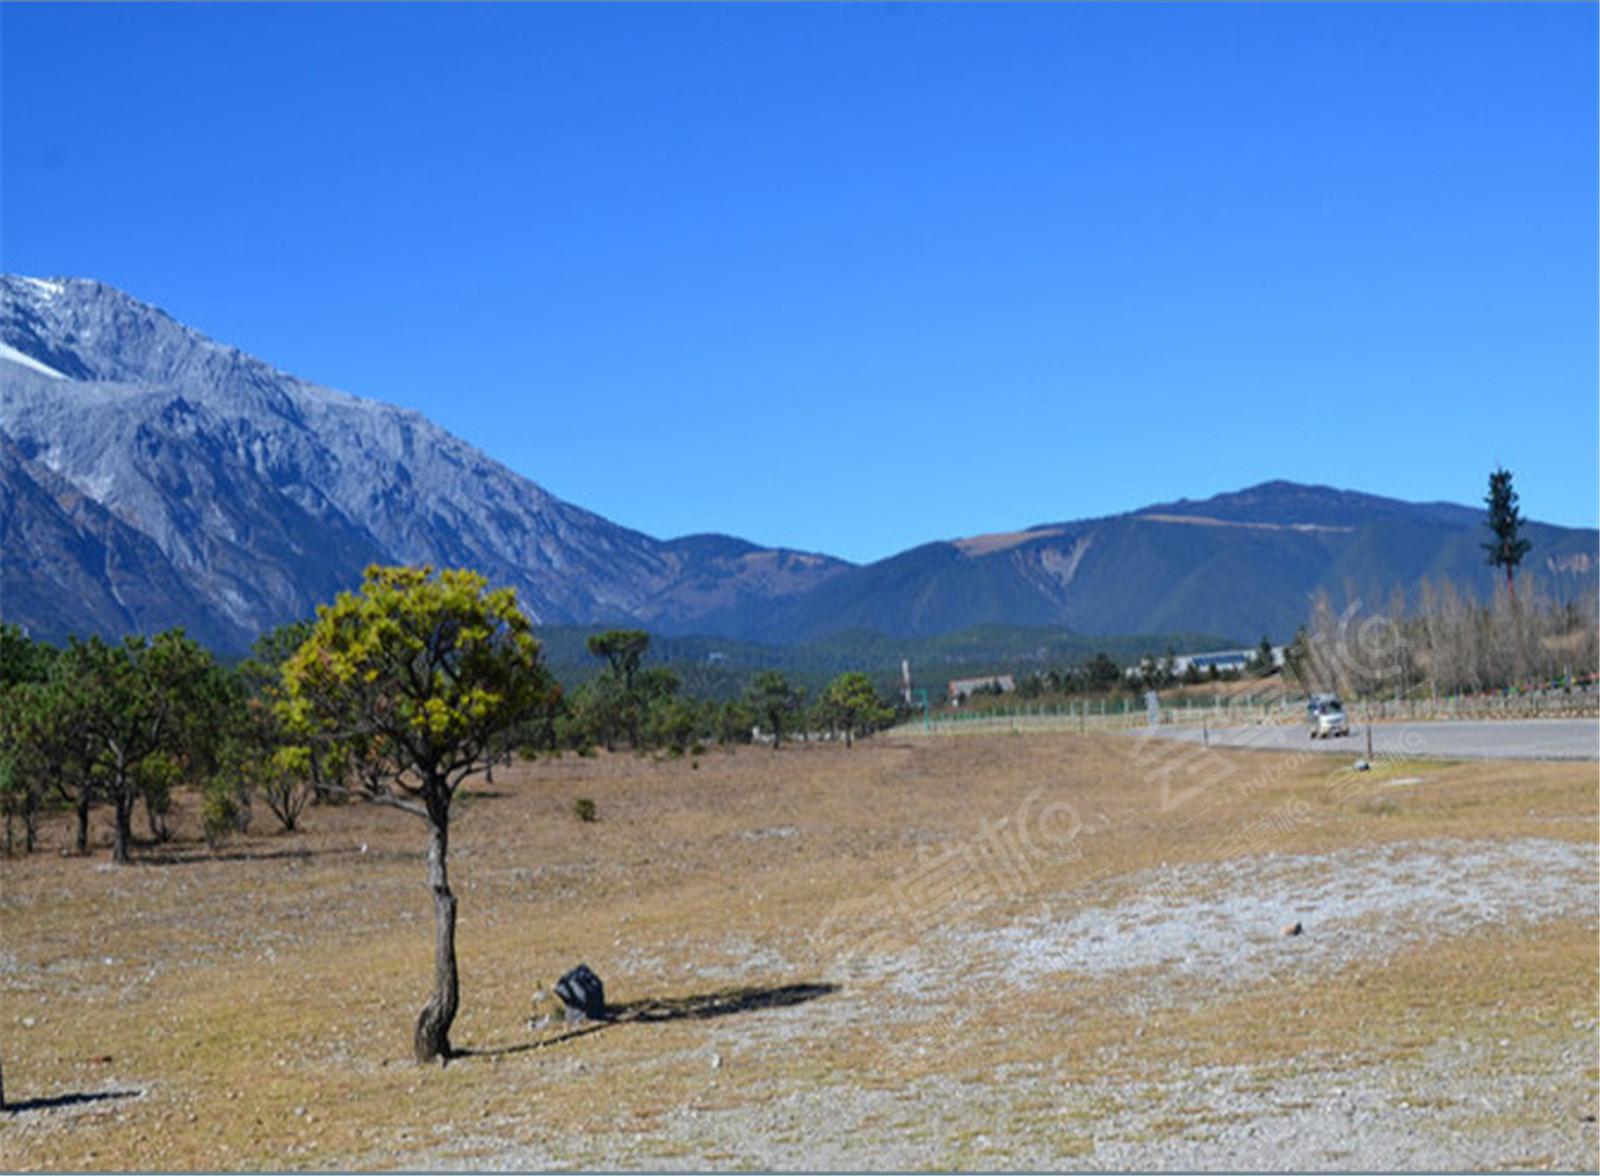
583	994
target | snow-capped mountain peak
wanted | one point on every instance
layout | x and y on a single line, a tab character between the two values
267	493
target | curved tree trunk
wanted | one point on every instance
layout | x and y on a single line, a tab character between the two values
83	821
119	847
432	1039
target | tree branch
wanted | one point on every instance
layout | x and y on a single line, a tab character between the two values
366	796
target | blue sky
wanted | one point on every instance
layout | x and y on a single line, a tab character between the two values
856	277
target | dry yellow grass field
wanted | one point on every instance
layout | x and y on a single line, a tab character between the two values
1042	950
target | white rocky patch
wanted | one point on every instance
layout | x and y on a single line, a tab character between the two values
47	288
10	353
1222	922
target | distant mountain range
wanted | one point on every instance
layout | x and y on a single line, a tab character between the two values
150	476
1244	564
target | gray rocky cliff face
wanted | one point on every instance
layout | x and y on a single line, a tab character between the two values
265	494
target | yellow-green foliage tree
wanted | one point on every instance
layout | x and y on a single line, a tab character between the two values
412	679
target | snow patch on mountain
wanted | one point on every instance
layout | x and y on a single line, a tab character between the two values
12	355
47	288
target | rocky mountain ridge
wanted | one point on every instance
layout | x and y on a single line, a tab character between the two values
265	493
152	476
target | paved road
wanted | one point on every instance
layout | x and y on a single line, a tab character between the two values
1540	739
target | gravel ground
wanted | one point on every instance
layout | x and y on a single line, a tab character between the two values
1224	921
1123	999
1182	933
1338	1115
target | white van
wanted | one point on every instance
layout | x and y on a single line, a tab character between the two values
1327	716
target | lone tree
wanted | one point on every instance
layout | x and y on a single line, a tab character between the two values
623	650
414	677
1262	663
41	742
25	761
772	699
617	700
853	705
1507	548
135	704
1101	673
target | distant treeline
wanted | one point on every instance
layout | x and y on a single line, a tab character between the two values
96	725
1438	640
122	726
395	695
1447	642
723	668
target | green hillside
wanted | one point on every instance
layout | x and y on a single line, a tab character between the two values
720	667
1240	565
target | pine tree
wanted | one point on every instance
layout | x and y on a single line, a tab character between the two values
1263	663
1505	521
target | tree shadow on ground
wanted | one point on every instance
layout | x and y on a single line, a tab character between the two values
702	1006
197	855
706	1005
56	1102
183	857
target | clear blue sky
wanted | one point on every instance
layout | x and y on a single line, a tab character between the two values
855	277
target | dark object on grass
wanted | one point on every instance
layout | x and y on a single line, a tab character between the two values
583	809
583	994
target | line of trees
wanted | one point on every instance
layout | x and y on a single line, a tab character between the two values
1448	642
98	726
644	708
394	695
1100	675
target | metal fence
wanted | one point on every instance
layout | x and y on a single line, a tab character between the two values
1127	714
